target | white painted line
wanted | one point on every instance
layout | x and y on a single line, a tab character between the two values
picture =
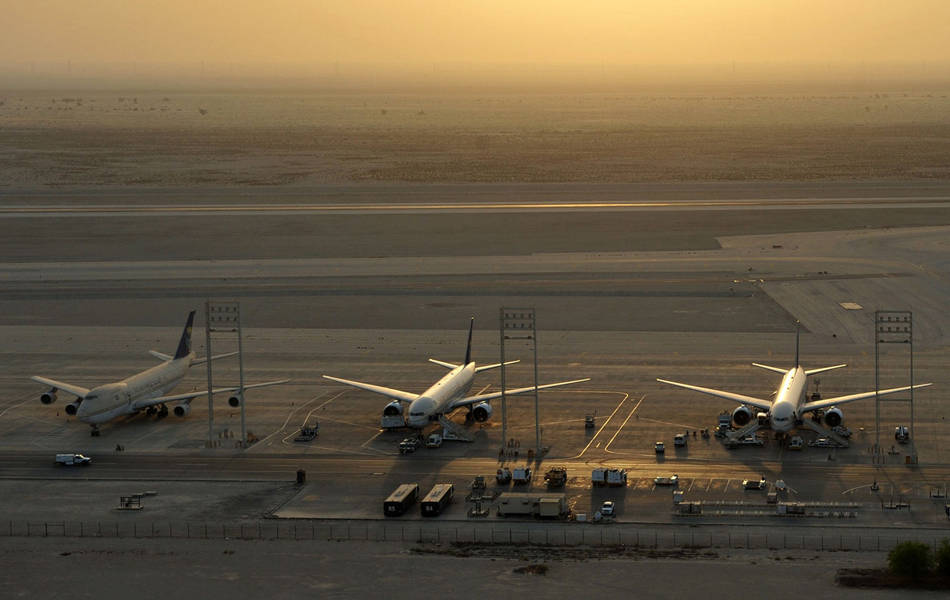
625	396
622	425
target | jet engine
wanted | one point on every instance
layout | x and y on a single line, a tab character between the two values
833	416
48	397
182	410
73	407
393	409
234	401
482	412
741	416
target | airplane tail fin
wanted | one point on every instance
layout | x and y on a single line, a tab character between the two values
468	349
798	331
184	344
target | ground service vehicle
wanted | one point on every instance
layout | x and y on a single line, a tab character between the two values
607	508
796	443
617	477
503	475
434	440
72	459
556	477
679	440
659	447
409	445
437	499
598	477
754	484
749	440
402	498
307	433
901	434
671	480
589	422
521	475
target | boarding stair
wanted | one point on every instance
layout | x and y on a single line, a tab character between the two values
809	424
738	434
454	431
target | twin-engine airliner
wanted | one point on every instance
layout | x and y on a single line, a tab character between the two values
142	391
790	403
447	395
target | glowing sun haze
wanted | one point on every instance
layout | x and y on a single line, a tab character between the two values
423	33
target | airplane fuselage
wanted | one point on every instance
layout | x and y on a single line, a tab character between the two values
789	399
436	400
106	402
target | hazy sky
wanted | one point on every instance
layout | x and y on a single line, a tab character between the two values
418	32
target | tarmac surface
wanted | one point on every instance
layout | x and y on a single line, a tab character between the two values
618	299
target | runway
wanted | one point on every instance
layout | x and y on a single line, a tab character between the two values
352	208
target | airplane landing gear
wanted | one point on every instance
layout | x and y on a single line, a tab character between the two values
95	431
162	411
151	410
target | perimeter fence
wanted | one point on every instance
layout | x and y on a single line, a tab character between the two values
551	534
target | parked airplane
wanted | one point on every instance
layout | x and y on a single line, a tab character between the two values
142	391
447	395
786	411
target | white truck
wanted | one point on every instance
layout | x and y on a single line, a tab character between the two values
72	459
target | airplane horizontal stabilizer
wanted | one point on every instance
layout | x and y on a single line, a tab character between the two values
204	359
160	355
486	397
818	404
75	390
823	369
377	389
495	366
447	365
756	402
768	368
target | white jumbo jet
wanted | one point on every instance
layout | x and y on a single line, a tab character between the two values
142	391
790	403
447	395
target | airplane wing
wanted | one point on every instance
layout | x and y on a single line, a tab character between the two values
485	397
756	402
189	396
377	389
809	406
59	385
